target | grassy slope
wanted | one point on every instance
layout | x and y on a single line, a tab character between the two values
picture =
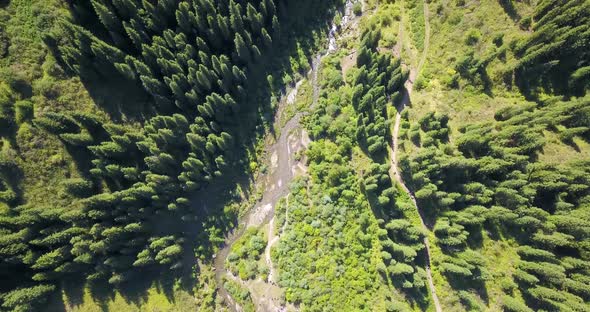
155	300
34	76
450	25
472	102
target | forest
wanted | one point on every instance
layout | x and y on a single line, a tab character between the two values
282	155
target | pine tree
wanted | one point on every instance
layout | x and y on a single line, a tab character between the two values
242	50
27	299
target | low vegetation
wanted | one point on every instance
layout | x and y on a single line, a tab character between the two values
245	255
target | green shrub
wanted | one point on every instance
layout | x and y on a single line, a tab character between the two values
525	23
421	83
79	187
514	305
472	37
508	285
23	111
498	39
357	8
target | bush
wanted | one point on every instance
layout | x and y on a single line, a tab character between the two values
498	39
4	44
514	305
472	37
357	9
23	111
469	300
79	187
525	23
421	83
338	19
388	39
508	285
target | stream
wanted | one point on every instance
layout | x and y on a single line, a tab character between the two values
282	169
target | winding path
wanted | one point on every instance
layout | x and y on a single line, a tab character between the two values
394	171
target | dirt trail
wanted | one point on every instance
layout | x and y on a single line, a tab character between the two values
394	171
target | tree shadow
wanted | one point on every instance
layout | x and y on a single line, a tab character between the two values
377	209
494	230
207	217
72	287
459	283
428	211
573	145
510	9
82	158
23	87
121	99
55	303
12	175
475	237
102	292
134	291
418	297
486	81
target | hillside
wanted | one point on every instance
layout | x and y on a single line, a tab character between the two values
278	155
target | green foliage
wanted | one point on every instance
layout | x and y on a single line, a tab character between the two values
337	208
111	192
27	299
472	37
23	111
514	305
416	13
357	8
246	253
555	56
241	294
